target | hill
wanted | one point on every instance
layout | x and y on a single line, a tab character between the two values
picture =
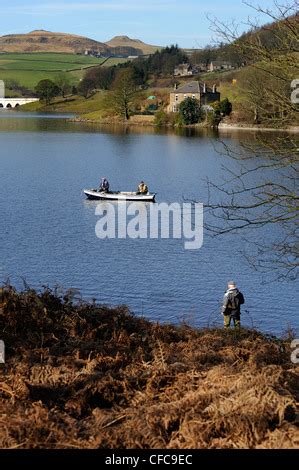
46	41
271	37
85	376
123	42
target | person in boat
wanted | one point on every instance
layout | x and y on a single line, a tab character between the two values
231	307
104	186
142	188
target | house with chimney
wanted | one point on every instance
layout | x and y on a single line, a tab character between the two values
183	70
196	90
217	65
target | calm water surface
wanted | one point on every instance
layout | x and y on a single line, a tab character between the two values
47	229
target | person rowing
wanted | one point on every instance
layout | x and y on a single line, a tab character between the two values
142	188
104	186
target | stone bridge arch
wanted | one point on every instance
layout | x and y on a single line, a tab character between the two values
9	103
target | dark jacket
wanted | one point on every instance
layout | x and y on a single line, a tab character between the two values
104	185
232	301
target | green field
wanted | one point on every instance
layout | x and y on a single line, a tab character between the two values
29	69
115	61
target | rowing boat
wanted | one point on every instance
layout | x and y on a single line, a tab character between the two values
119	195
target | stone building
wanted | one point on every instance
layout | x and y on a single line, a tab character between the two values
195	90
183	70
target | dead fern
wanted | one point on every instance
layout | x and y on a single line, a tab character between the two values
85	376
160	357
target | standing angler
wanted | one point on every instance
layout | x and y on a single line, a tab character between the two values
232	301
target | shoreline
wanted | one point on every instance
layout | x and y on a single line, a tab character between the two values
248	127
87	376
149	123
141	121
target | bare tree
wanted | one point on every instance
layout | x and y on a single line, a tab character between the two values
123	92
264	189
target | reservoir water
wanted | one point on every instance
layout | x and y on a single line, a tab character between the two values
47	229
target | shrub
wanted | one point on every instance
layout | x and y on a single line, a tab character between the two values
161	118
190	111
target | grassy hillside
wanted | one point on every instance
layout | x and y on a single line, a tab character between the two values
115	61
29	68
85	376
46	41
73	104
125	41
46	61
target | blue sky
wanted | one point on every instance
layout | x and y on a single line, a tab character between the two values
159	22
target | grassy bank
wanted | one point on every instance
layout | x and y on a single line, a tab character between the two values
99	107
83	375
96	108
71	104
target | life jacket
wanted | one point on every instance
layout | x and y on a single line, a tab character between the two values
142	188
